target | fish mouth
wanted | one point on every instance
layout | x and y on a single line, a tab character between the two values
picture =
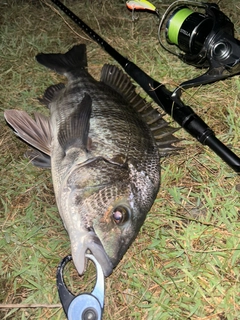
89	241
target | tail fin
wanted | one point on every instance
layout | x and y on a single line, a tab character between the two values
75	58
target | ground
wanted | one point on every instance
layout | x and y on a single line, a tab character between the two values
185	262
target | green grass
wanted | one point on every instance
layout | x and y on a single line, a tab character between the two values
185	262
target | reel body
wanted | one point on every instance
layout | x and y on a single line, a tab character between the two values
204	40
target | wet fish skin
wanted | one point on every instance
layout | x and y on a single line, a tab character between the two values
104	159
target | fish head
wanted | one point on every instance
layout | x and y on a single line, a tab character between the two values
111	230
119	226
106	217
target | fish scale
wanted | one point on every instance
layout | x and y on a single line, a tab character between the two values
112	123
103	143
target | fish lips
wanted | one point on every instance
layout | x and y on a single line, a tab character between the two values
81	244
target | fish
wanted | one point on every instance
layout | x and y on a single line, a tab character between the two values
103	143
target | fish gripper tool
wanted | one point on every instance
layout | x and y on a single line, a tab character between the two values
85	306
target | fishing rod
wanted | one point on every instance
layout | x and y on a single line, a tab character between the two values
170	103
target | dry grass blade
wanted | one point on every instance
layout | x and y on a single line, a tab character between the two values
26	306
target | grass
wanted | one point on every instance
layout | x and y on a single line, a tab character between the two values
185	262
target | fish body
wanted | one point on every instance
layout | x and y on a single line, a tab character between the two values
102	142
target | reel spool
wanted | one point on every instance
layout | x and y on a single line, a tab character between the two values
202	38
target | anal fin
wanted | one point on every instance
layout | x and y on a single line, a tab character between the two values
50	94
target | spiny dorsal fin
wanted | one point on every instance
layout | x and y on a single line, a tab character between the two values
36	133
75	58
75	127
50	93
121	83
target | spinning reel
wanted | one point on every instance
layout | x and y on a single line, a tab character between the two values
199	34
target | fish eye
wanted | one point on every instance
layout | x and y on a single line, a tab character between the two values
120	215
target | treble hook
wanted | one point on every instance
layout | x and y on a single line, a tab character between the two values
85	306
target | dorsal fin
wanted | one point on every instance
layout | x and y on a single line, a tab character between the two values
121	83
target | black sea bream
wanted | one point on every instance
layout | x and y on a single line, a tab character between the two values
103	143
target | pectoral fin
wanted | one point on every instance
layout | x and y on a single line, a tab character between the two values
74	129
